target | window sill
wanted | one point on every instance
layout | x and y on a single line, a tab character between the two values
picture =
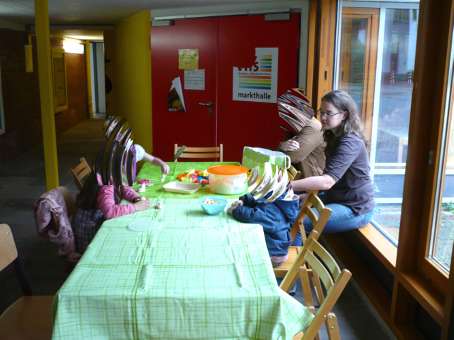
381	247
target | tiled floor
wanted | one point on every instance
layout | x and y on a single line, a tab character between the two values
21	183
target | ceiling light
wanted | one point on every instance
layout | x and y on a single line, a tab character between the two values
73	46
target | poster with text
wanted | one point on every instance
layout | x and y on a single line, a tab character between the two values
257	83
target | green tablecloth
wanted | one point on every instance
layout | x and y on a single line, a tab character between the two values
152	172
176	273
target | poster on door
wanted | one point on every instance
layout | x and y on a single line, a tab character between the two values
257	83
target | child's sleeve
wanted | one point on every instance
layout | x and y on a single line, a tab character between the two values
256	215
106	203
129	194
248	200
246	214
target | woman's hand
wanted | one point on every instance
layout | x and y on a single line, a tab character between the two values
289	145
142	205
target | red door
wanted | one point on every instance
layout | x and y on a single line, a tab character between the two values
250	123
223	43
196	126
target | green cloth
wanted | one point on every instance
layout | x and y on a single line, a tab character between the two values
176	273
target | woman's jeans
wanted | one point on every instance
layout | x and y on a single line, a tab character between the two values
342	219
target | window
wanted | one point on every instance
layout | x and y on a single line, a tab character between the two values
442	229
375	64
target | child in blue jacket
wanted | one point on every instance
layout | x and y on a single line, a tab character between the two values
275	217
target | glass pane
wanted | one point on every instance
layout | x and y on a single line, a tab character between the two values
443	224
396	87
388	114
353	56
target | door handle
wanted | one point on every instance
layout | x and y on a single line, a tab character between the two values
208	105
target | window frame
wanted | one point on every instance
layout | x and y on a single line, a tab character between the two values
417	280
428	267
2	107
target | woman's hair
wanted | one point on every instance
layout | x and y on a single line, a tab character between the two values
87	195
352	122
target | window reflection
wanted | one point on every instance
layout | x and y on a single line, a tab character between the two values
387	57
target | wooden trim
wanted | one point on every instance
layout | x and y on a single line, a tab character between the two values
428	95
311	48
381	247
428	266
370	62
324	73
447	328
429	298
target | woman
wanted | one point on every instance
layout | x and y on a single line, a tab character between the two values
345	182
306	147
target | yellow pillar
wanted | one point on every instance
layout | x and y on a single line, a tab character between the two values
132	70
46	93
88	48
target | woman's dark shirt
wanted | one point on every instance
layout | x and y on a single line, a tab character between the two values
347	163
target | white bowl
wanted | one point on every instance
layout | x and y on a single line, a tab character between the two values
231	182
181	188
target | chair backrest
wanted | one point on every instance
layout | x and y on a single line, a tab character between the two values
80	172
315	210
292	173
8	250
212	152
8	255
332	278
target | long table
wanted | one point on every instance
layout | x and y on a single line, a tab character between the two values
176	273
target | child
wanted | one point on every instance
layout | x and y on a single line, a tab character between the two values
275	217
141	154
96	203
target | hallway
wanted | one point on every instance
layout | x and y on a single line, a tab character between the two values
21	183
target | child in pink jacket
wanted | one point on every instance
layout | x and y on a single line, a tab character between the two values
97	203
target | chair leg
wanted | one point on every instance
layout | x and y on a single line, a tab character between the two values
306	287
318	287
332	327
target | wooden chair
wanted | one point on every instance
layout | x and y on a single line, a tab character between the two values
332	284
316	211
29	317
80	172
212	152
293	173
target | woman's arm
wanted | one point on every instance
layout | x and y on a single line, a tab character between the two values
324	182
